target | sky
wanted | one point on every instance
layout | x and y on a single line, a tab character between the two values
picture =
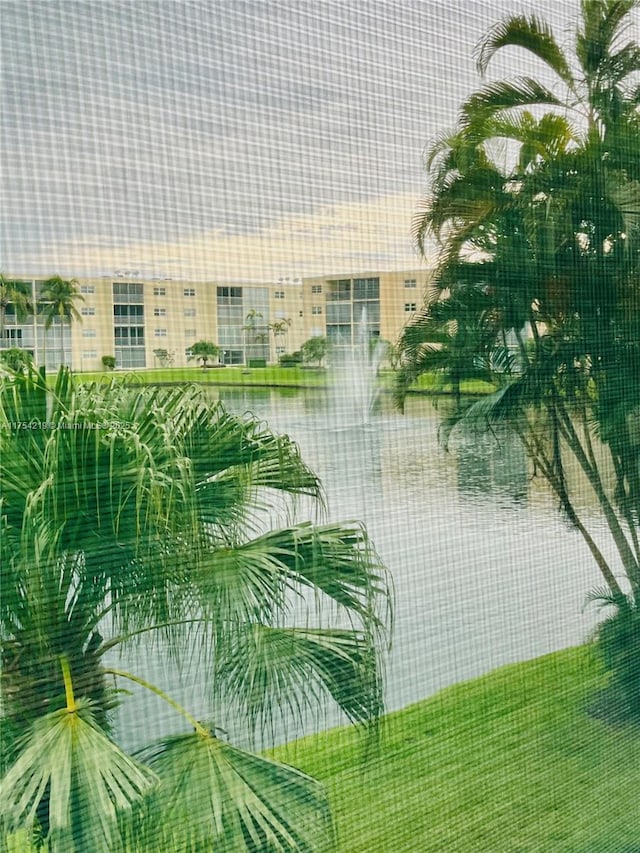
230	140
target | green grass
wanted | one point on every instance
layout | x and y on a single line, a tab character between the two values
273	376
292	377
432	383
507	763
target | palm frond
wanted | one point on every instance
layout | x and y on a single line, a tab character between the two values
499	96
85	780
257	579
601	26
531	34
265	670
215	796
493	408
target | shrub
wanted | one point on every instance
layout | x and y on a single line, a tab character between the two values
618	641
290	359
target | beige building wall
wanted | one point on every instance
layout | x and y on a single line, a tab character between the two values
337	300
172	314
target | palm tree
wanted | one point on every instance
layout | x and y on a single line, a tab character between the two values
203	351
135	513
57	300
17	294
598	80
280	328
250	329
550	242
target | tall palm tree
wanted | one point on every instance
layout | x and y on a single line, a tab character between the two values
252	330
280	328
551	238
597	80
139	513
17	294
58	301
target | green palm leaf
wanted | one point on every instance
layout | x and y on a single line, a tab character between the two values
495	97
252	580
264	669
86	781
215	796
601	27
142	528
532	34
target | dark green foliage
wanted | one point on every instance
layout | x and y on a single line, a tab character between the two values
538	282
291	359
315	350
619	645
17	360
132	511
203	351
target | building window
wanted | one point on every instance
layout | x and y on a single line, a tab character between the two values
129	336
189	291
88	333
189	333
340	290
229	296
278	294
128	291
159	291
130	356
159	312
316	309
316	288
366	288
88	311
409	307
124	315
87	288
189	312
232	356
339	334
160	333
89	353
410	282
339	312
13	335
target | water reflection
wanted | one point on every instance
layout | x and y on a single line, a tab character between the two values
485	570
491	464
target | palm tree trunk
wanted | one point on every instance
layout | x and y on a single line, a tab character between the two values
536	452
623	547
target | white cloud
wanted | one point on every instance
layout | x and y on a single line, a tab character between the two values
342	238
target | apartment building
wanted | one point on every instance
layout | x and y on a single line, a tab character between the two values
385	302
146	323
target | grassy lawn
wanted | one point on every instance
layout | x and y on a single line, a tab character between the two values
508	763
284	377
430	382
293	377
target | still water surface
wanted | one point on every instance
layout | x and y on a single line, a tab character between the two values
485	570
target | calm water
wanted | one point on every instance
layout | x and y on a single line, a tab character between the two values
485	570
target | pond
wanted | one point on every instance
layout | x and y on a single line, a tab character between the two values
485	570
